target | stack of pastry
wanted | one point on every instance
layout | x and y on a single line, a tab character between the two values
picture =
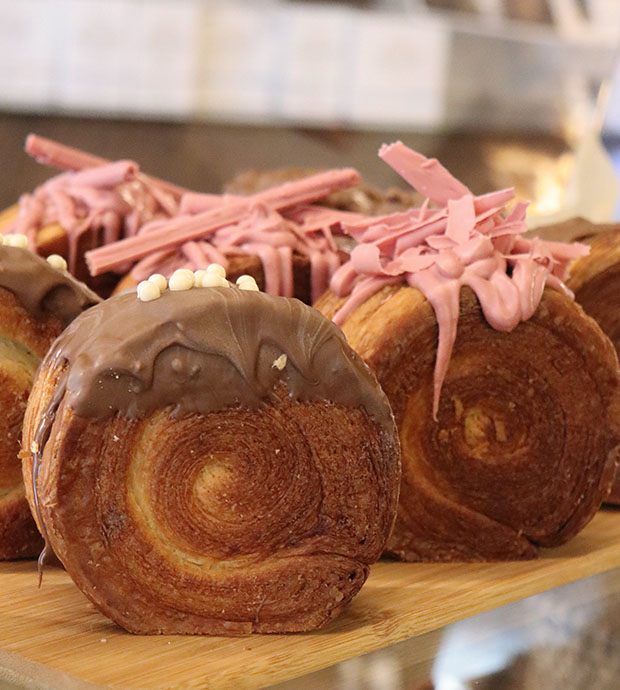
38	299
226	475
505	393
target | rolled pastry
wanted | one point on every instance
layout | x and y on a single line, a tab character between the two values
505	393
214	461
525	444
36	303
92	202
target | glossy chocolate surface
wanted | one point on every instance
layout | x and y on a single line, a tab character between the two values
207	349
41	289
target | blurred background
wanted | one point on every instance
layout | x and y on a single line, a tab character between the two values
522	92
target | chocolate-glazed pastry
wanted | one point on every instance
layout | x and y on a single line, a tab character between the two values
36	303
214	461
362	198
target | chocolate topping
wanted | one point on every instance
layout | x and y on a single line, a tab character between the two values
207	349
41	289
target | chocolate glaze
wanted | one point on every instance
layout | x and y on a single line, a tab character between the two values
202	350
41	289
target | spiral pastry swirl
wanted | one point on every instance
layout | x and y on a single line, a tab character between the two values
525	444
198	517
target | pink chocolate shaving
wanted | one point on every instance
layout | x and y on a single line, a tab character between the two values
262	232
56	155
271	224
91	195
426	175
467	241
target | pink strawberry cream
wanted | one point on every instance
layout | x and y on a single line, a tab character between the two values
460	240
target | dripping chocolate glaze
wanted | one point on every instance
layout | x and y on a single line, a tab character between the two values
41	289
202	350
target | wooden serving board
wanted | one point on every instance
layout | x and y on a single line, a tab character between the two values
53	637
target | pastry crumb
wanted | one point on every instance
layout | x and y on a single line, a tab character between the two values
280	363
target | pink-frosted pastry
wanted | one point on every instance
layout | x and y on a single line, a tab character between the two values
507	396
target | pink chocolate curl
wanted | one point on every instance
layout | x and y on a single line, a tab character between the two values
229	213
92	194
468	241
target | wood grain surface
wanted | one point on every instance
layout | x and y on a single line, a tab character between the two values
53	638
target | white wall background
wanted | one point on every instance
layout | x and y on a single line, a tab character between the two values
397	64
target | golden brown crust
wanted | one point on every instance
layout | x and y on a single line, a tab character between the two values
233	522
595	280
18	324
8	216
528	427
24	340
614	494
604	254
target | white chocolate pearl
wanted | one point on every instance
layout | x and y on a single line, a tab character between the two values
159	280
148	291
247	282
16	240
217	268
56	261
183	279
199	276
212	279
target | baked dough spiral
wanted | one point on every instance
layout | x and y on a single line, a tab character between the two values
526	439
230	467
